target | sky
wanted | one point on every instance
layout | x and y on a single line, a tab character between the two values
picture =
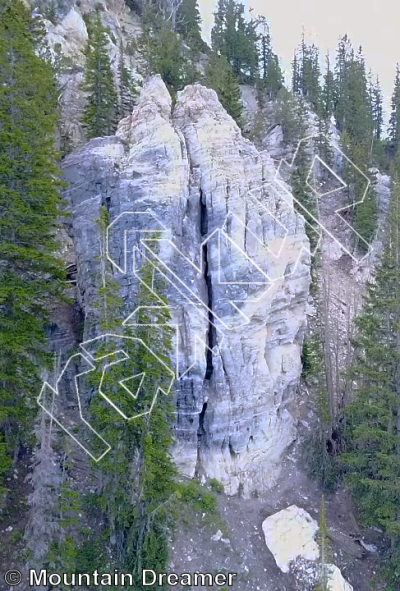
371	23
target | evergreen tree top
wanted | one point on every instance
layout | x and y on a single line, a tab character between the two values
31	276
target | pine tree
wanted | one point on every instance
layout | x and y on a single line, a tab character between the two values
220	77
236	39
379	145
101	110
354	118
328	92
306	73
321	464
344	55
266	48
372	426
325	111
287	115
163	47
274	79
127	88
307	202
311	73
359	123
31	277
140	477
217	32
394	121
295	74
157	477
271	80
377	108
353	110
365	213
189	22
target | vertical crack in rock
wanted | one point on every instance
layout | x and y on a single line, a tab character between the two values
246	221
231	450
201	441
211	336
203	215
201	432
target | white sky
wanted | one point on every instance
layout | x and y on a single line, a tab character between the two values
371	23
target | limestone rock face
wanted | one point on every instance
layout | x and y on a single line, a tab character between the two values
188	171
67	36
336	582
73	27
290	534
345	268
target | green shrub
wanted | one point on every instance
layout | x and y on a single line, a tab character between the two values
216	486
199	498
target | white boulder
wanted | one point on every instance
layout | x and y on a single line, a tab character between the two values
336	582
289	534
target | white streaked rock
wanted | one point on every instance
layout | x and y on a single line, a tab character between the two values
290	534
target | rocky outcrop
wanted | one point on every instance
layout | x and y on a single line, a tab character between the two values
336	582
290	536
343	267
189	169
67	39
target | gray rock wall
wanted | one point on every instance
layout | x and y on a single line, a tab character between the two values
188	168
67	36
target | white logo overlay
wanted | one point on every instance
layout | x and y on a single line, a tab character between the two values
155	246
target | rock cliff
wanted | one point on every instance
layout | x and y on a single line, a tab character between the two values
188	168
67	38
